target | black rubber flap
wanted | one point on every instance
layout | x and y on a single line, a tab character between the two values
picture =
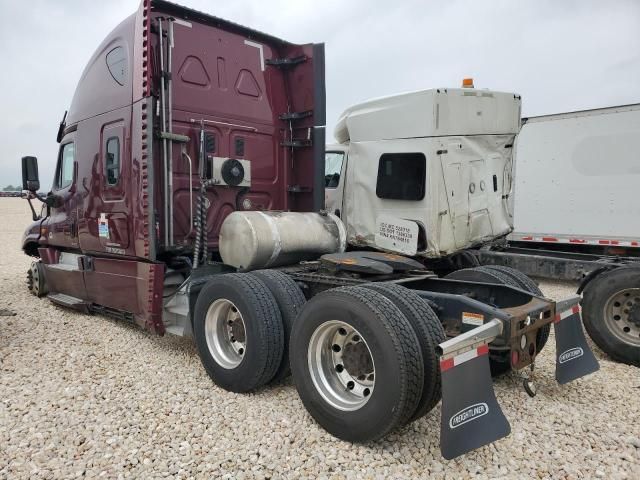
574	358
471	415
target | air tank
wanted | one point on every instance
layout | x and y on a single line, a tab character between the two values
255	240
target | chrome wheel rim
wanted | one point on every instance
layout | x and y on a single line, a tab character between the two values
341	365
225	333
622	315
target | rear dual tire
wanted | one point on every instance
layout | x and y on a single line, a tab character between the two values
429	331
239	332
358	361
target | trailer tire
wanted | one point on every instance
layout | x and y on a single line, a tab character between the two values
290	300
238	332
526	283
363	397
429	332
599	298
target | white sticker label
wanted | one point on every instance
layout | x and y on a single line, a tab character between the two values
397	234
475	319
103	226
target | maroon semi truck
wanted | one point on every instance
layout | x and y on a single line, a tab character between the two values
187	198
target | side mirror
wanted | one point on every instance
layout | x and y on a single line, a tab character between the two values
30	178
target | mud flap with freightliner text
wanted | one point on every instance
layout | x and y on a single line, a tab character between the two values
471	416
574	358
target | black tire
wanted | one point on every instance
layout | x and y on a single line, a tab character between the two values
429	332
290	301
527	284
464	259
396	358
36	280
608	333
262	328
499	360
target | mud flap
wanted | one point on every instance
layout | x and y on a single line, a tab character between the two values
574	358
471	415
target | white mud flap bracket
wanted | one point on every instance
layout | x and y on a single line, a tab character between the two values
574	358
471	415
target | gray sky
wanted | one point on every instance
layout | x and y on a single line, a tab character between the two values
559	55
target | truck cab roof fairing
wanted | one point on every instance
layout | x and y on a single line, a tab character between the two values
97	77
190	14
431	113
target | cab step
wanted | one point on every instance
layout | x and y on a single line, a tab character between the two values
69	301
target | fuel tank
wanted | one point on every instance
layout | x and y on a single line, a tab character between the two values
254	240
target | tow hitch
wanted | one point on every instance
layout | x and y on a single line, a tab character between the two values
471	415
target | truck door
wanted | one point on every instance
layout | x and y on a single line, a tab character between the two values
467	183
64	275
113	229
334	178
456	178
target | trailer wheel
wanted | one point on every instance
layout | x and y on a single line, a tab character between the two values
238	331
35	279
429	332
290	300
611	313
356	363
527	284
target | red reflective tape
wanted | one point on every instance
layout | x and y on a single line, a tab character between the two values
577	240
446	364
603	242
549	239
483	350
634	244
567	313
526	238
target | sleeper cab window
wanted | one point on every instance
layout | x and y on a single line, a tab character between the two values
117	64
332	168
64	175
401	176
112	161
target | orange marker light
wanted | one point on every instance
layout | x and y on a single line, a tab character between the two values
467	83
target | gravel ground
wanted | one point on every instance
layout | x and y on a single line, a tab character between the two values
88	396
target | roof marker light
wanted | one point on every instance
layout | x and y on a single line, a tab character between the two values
467	83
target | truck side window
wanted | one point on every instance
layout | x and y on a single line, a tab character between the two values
401	176
117	64
333	167
112	160
64	175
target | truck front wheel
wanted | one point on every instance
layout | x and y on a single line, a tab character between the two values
238	332
611	313
35	279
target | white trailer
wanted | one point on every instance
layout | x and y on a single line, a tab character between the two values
577	178
576	216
